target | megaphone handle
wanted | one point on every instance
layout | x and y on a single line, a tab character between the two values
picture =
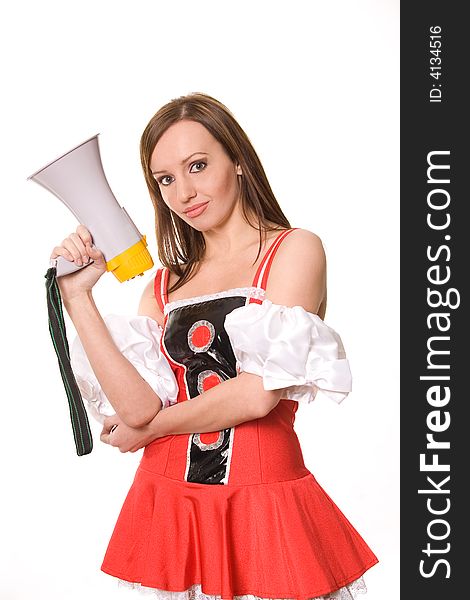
65	267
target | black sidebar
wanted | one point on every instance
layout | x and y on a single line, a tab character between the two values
435	239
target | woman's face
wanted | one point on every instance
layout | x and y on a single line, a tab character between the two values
196	177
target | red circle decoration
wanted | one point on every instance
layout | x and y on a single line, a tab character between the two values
207	380
209	438
214	440
201	335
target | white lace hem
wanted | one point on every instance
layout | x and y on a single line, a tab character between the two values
348	592
249	292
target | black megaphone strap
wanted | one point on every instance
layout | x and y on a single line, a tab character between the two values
78	415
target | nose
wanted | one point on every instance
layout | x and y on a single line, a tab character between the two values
185	190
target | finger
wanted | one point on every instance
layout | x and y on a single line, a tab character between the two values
77	240
112	438
91	251
95	253
84	234
109	422
61	251
104	437
70	245
135	447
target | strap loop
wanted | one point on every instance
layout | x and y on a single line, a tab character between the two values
161	286
78	415
261	277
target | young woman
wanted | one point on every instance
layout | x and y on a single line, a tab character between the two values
222	504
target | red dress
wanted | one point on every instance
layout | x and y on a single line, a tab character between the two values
237	510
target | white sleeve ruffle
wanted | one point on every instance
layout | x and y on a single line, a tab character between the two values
138	338
291	349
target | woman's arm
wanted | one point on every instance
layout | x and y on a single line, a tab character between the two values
131	396
227	404
297	278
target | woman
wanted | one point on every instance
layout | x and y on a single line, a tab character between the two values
222	503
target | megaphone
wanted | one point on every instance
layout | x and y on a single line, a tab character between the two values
77	178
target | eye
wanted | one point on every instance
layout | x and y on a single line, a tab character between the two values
161	180
200	162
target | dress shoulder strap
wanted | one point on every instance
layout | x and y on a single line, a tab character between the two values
261	277
160	287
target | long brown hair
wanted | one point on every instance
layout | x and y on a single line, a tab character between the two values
180	246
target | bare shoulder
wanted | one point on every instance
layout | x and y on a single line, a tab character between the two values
298	272
148	305
302	242
300	251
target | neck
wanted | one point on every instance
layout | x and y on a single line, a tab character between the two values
231	238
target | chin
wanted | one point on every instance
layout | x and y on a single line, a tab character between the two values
201	227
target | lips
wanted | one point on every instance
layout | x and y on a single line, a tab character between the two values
196	210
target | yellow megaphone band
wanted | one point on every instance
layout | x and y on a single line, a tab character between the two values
133	261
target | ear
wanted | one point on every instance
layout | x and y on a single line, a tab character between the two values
239	170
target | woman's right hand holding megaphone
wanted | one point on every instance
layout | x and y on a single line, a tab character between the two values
78	248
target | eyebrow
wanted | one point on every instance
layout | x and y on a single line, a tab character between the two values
182	162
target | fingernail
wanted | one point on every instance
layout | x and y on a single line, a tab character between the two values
79	262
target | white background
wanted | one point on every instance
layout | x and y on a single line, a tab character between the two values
315	86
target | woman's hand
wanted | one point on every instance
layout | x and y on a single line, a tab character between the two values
128	439
77	247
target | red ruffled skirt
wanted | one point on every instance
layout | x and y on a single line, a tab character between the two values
284	539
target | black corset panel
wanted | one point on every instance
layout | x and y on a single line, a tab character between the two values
195	338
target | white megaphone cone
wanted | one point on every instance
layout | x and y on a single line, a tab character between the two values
78	180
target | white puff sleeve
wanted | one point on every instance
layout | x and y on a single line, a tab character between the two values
138	338
290	349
